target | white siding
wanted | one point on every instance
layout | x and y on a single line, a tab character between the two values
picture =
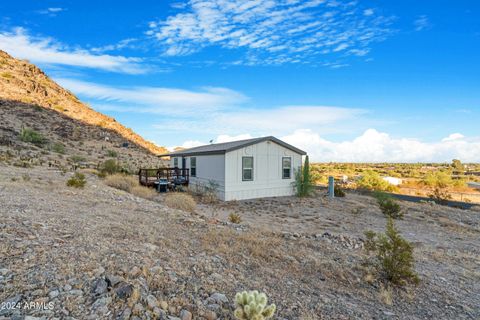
209	168
267	172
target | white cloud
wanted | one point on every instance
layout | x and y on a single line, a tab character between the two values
52	12
157	100
271	31
44	50
421	23
267	121
453	137
375	146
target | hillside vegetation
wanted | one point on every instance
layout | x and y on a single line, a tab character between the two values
24	82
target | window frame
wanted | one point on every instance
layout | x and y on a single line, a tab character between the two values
175	162
243	168
193	169
289	168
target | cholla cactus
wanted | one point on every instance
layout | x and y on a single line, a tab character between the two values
253	306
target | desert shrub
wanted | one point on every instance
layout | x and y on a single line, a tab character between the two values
112	153
338	191
234	218
77	180
121	181
252	305
7	75
388	205
143	192
58	148
110	166
77	158
372	181
303	180
393	255
440	195
31	136
181	201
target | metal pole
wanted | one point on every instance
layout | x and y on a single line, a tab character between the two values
331	186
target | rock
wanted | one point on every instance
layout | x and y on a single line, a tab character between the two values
388	313
159	313
185	315
219	298
4	271
135	272
213	307
99	271
53	294
124	290
210	315
112	280
99	287
152	302
125	315
76	292
164	305
138	309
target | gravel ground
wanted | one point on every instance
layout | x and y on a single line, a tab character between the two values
101	253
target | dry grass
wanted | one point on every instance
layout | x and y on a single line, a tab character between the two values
239	245
143	192
181	201
129	184
234	218
386	295
122	182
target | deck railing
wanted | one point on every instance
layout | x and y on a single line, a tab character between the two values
174	176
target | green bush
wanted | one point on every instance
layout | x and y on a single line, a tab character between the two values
303	180
58	148
77	180
112	153
31	136
338	191
388	205
110	166
77	159
372	181
440	196
393	255
253	306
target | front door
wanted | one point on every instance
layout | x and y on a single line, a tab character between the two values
184	162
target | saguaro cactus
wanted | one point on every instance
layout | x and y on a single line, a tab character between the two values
252	305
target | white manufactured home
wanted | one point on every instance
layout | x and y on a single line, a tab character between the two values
246	169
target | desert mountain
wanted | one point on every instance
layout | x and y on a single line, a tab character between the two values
62	126
25	82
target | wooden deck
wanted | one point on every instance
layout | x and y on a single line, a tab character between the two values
174	176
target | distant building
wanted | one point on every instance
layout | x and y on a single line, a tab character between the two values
474	185
393	181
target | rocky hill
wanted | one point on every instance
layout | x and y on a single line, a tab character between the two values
22	81
32	103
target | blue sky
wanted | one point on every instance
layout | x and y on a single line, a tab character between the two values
358	80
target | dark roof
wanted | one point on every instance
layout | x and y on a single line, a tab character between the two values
220	148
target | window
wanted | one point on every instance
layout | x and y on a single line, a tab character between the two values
175	162
193	166
247	168
286	167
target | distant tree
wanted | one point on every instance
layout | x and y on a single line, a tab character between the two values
457	165
371	180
